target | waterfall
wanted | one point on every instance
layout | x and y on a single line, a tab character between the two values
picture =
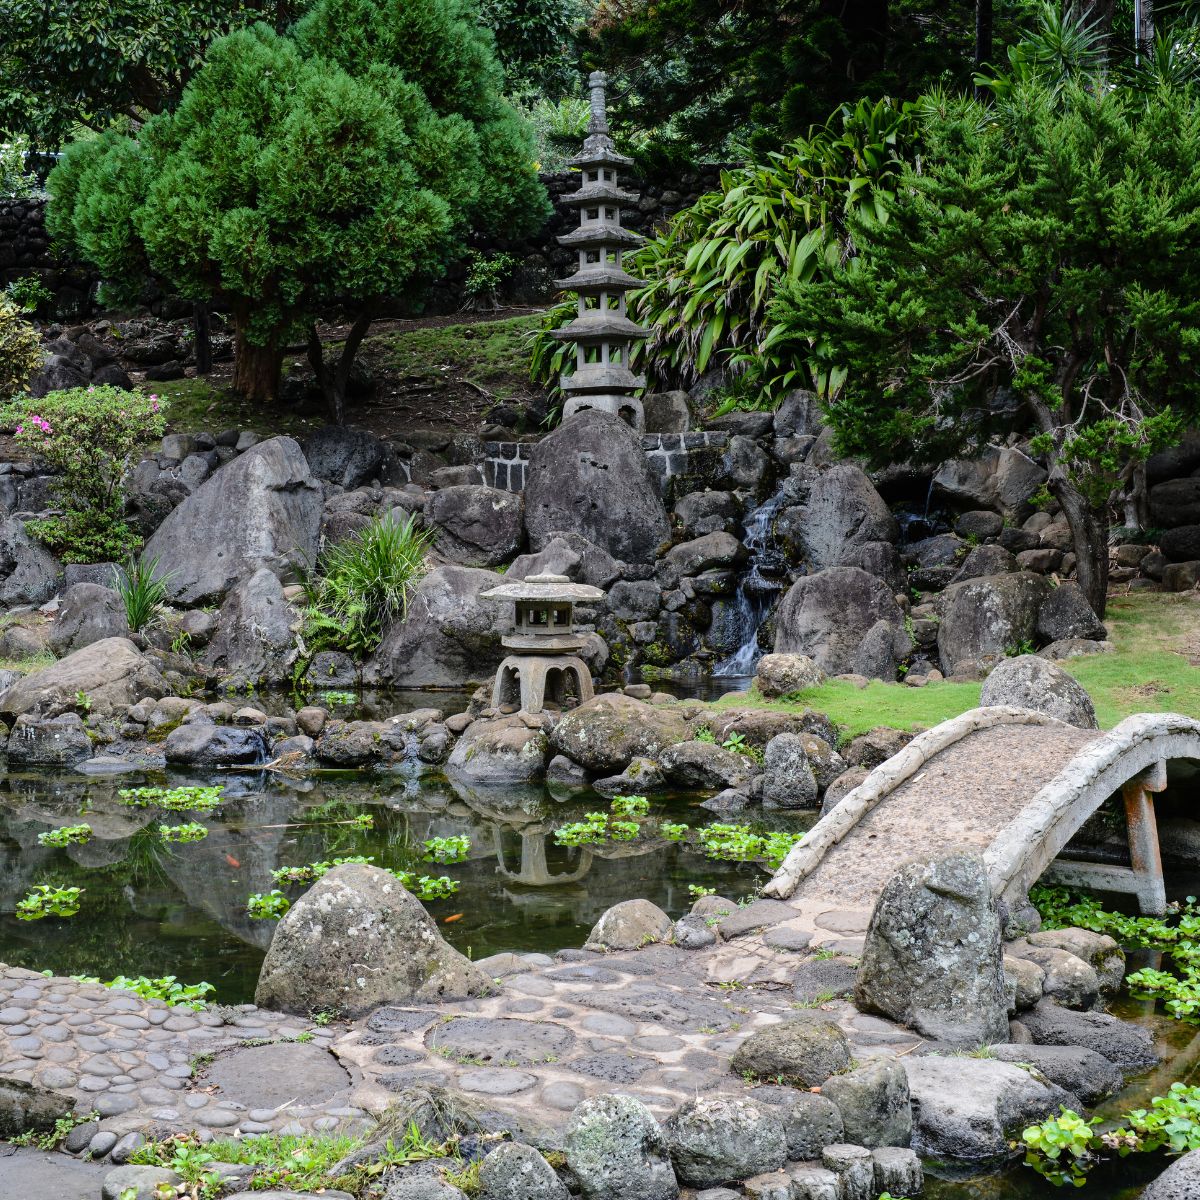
759	586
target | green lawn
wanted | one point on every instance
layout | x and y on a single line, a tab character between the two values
1155	634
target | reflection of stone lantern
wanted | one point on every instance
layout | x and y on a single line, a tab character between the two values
602	331
544	662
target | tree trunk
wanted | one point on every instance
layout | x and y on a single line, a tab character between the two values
202	324
333	378
1089	532
256	368
1144	26
983	33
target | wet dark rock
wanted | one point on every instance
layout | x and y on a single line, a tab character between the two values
202	745
45	741
87	614
476	525
1082	1072
1129	1046
347	457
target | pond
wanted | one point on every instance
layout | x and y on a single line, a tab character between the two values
153	908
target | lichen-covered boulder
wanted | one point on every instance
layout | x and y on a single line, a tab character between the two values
630	925
1065	613
476	525
874	1103
1030	681
843	510
780	674
514	1171
828	615
504	750
715	1139
989	618
263	509
590	477
802	1051
933	955
618	1151
89	612
357	939
110	672
609	731
811	1121
788	777
704	765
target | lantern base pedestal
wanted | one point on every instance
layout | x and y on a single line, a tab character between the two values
627	408
529	680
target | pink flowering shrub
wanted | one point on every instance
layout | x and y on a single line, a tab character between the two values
90	437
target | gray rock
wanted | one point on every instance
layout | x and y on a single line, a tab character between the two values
29	573
692	932
356	940
1101	952
261	510
707	512
1066	978
1030	681
634	600
87	614
876	746
716	1139
111	672
201	745
781	674
985	560
979	523
630	925
897	1171
968	1109
841	787
347	457
802	1051
881	559
826	616
1001	479
514	1171
878	652
874	1103
48	742
143	1180
1078	1070
704	765
617	1151
811	1121
476	525
642	775
504	750
933	953
989	617
25	1106
253	641
590	477
1025	980
1065	613
854	1168
843	510
667	412
449	636
421	1187
1129	1046
788	778
608	732
706	553
1180	1181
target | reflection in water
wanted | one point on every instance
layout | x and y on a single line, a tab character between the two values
156	909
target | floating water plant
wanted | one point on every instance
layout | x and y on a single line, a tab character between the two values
673	833
630	806
66	835
269	906
591	831
738	843
177	799
190	831
453	849
311	872
428	887
47	901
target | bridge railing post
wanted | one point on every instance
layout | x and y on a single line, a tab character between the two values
1142	828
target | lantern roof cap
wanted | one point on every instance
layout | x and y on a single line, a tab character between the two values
552	589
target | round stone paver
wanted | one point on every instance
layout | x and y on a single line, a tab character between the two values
496	1081
504	1041
268	1076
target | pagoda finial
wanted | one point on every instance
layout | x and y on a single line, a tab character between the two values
597	81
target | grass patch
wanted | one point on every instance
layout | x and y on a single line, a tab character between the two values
1157	638
35	662
193	404
490	354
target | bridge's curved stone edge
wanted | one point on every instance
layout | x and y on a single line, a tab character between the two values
804	858
1029	843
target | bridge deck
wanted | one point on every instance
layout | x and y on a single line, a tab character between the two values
961	798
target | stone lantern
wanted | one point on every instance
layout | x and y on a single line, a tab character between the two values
602	331
543	663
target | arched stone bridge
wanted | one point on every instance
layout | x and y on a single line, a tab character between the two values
1007	783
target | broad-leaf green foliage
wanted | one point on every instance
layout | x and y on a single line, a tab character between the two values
89	437
1039	265
20	349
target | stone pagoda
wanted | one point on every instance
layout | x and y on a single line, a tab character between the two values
543	663
602	331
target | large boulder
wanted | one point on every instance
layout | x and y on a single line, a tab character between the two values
1002	479
1130	1046
88	613
590	476
714	1139
448	636
29	573
618	1151
505	750
788	778
347	457
1180	1181
110	672
1078	1070
933	955
697	766
1175	503
803	1051
874	1103
843	511
989	617
356	939
609	731
781	674
1029	681
200	744
827	617
1065	613
48	741
477	525
261	510
811	1121
254	643
969	1110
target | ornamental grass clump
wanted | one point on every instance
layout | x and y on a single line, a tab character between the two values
361	585
89	437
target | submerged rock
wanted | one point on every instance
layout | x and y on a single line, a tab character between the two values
357	939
